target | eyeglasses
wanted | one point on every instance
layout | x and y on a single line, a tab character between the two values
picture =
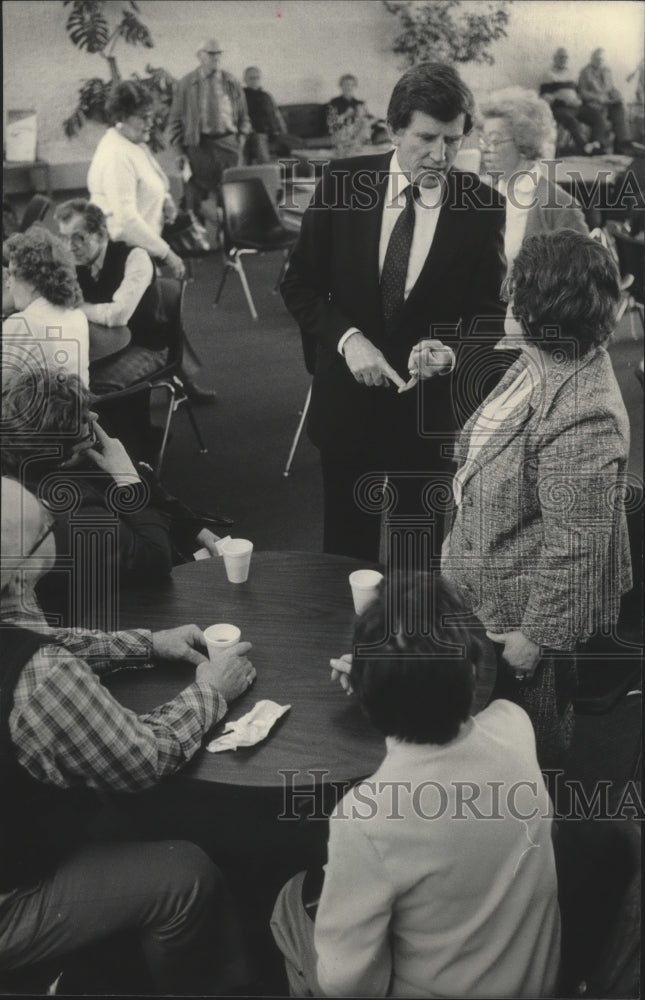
213	52
485	143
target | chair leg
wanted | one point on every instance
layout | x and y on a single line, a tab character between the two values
220	289
283	271
172	395
191	416
297	435
245	285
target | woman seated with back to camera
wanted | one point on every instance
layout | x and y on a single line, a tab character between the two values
539	539
440	879
517	133
44	327
54	444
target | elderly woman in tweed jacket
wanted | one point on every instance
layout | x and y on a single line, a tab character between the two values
539	538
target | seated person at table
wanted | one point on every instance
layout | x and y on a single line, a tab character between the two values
596	88
65	742
119	289
54	444
45	327
269	138
559	90
425	895
347	111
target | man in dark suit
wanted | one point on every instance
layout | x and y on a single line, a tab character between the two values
384	282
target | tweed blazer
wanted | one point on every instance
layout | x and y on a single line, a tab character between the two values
539	542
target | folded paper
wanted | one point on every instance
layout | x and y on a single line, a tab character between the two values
252	728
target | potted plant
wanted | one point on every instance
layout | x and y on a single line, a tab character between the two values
91	26
448	30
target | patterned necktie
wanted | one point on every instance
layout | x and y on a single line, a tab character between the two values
395	265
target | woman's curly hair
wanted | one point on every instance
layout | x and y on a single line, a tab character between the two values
127	98
41	259
529	118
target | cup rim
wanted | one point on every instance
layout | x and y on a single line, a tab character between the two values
234	634
362	584
231	547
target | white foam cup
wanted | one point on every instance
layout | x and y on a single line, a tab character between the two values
219	637
365	587
237	559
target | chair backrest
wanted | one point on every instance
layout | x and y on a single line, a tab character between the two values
631	258
35	211
172	295
269	174
249	212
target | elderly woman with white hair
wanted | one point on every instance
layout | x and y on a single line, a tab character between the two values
517	131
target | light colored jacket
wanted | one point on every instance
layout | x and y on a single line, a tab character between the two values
539	542
555	209
184	125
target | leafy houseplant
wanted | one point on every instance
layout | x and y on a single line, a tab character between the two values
88	27
448	30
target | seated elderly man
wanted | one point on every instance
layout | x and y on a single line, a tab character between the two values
269	138
119	289
597	90
52	441
559	90
64	742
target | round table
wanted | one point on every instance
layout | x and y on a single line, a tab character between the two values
296	608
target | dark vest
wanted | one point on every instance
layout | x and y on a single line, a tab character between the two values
147	324
39	824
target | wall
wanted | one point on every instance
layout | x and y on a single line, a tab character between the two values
302	46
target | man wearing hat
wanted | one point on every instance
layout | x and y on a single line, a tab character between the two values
209	120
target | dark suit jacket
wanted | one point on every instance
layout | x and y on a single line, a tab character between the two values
333	283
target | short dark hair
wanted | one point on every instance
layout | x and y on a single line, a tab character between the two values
567	281
93	217
41	408
42	260
127	98
417	686
434	88
347	76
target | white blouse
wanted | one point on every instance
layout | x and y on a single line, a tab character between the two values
46	335
129	186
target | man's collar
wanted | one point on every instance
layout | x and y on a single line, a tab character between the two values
206	73
97	264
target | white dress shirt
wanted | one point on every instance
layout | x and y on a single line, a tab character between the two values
426	215
136	278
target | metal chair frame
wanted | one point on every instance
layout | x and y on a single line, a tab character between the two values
167	378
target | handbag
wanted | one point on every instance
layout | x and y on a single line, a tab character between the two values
186	236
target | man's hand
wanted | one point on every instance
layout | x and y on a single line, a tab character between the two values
520	652
367	364
109	455
231	673
180	643
340	671
207	539
175	264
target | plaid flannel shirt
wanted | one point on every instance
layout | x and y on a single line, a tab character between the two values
67	729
